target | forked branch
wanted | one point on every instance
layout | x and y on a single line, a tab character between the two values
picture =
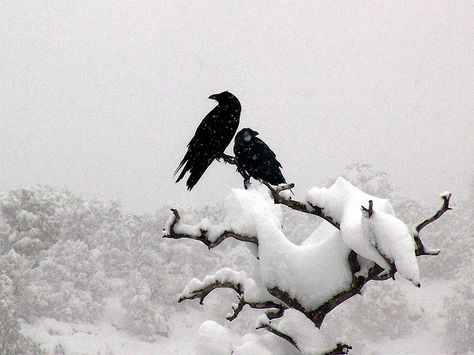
375	273
420	248
276	310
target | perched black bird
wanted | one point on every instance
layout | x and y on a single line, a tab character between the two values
211	138
256	158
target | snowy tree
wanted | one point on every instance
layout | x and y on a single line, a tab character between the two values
11	339
143	317
68	284
459	310
298	285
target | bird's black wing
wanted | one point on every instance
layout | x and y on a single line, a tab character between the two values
259	161
199	154
265	152
201	138
212	136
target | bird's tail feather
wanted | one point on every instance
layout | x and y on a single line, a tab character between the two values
185	159
197	170
183	172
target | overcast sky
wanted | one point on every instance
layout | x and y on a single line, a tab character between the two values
102	97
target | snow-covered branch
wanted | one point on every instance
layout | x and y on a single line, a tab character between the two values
309	343
376	272
297	205
363	241
249	292
273	330
204	232
339	349
203	292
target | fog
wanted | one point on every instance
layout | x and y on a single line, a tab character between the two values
103	97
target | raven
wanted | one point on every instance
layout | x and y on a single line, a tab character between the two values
256	158
212	136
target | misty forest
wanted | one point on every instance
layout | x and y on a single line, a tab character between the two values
236	178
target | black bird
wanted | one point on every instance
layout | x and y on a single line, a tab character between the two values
256	158
211	138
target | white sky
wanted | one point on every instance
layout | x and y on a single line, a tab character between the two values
102	97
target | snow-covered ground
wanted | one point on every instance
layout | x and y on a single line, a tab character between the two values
104	337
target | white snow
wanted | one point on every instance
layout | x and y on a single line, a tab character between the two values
303	332
342	201
445	194
213	231
242	217
215	339
310	272
252	291
252	344
394	241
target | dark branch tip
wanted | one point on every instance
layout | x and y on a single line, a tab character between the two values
369	210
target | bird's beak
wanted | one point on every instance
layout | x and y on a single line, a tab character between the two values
213	97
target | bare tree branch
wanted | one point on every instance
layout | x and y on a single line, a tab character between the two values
203	237
205	291
369	210
445	207
279	333
276	310
420	248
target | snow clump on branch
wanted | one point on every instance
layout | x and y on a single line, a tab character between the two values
378	237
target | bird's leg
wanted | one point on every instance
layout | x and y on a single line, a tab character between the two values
227	159
246	176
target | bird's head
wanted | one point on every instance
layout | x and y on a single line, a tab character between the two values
246	134
223	97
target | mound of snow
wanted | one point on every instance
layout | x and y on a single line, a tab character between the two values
310	272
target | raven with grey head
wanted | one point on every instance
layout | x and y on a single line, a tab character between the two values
255	157
211	138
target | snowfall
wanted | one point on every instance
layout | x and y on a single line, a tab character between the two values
84	277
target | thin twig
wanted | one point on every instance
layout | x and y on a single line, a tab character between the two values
420	248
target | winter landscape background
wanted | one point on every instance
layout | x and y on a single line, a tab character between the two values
84	277
98	101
